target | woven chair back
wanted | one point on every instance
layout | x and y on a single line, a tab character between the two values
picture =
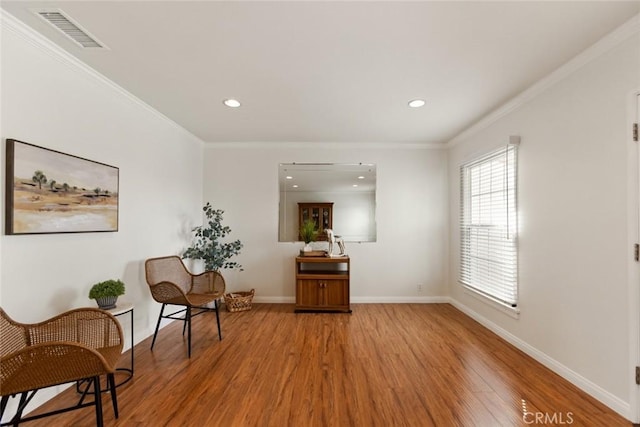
168	269
77	344
14	336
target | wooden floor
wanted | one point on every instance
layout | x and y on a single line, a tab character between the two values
382	365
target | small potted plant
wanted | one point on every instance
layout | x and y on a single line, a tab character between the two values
308	233
106	293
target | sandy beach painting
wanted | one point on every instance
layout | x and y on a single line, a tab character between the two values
52	192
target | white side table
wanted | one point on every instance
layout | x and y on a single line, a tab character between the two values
121	309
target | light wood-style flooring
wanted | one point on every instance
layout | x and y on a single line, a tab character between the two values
382	365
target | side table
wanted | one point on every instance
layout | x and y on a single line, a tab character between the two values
121	309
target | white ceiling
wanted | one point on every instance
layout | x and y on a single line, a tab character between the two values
316	71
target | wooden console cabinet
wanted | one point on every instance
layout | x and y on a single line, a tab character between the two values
322	284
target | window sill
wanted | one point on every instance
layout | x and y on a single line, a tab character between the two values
500	306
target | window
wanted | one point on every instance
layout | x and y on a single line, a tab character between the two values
488	226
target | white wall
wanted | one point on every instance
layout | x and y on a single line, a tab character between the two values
573	178
49	101
411	218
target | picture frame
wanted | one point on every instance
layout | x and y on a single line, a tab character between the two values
48	191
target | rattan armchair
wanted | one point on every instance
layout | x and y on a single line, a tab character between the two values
77	345
172	284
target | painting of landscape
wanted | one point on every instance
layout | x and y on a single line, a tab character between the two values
52	192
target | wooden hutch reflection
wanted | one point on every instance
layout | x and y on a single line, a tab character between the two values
320	213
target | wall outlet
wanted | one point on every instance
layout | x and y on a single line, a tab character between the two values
419	288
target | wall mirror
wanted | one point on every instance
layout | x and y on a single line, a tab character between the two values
339	196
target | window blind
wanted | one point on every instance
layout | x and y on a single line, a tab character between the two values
488	225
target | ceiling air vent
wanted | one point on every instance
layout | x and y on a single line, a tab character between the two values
63	23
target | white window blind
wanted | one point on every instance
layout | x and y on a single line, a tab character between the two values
488	225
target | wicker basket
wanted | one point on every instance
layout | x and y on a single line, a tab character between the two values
239	301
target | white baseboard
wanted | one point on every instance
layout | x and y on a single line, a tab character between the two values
597	392
361	300
274	300
399	300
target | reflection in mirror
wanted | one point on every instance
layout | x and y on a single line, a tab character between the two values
349	189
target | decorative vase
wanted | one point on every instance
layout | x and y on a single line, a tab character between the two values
107	303
307	248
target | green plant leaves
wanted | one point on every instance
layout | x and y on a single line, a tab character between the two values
207	244
308	231
108	288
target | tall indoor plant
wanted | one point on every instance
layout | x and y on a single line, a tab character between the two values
207	244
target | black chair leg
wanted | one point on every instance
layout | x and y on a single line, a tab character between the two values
114	397
184	325
189	327
3	405
215	304
98	401
21	405
157	326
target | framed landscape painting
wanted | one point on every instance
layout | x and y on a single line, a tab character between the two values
52	192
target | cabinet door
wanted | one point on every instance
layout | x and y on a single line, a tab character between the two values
308	293
336	292
315	215
326	218
304	215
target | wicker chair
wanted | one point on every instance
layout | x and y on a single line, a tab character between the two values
172	284
76	346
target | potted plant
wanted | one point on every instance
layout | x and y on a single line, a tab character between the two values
308	233
208	247
106	293
207	244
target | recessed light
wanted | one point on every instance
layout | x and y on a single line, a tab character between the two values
289	177
233	103
295	185
361	177
355	185
416	103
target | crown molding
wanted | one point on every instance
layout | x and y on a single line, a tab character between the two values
28	34
328	145
11	23
602	46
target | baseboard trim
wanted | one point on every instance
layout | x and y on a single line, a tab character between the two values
274	300
615	403
362	300
399	300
